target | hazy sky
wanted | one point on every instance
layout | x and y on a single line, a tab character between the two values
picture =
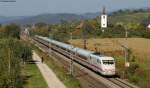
34	7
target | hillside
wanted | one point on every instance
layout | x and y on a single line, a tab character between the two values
4	19
129	17
48	18
123	16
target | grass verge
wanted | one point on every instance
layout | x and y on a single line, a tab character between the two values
61	73
32	77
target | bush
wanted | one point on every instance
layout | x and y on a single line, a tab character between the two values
132	69
134	78
12	30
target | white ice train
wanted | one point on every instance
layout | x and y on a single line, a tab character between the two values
105	65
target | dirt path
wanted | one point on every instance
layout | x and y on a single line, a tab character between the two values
48	74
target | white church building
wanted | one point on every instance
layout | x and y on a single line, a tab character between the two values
104	19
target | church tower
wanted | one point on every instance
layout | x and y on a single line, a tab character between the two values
104	18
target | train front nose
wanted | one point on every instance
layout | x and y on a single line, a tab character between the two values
109	72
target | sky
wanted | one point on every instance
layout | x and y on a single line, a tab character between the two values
35	7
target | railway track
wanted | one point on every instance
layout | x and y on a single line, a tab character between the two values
121	83
92	79
84	78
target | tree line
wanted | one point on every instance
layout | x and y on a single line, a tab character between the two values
13	53
91	28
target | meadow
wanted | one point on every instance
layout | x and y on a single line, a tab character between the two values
140	47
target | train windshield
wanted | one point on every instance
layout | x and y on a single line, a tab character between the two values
108	62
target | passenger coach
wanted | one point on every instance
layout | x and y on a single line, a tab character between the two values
105	65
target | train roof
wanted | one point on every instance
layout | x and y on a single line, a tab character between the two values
80	51
98	54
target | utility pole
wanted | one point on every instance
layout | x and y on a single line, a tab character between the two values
49	46
84	35
71	57
84	41
71	65
126	48
126	33
126	56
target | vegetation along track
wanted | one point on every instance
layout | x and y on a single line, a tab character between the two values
86	78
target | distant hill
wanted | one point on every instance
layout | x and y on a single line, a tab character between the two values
91	15
134	16
120	16
4	19
125	18
47	18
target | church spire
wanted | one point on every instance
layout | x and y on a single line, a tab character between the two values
104	10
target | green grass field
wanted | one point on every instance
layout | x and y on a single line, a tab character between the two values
33	77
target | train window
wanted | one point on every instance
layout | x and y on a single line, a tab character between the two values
98	61
108	61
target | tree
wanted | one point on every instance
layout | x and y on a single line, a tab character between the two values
10	62
40	24
12	30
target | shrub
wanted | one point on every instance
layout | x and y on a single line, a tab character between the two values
132	69
134	78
